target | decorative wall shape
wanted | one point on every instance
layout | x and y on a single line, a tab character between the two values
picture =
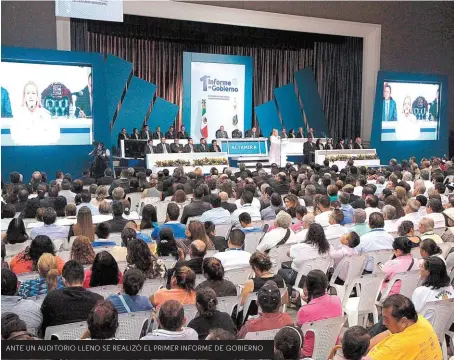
268	117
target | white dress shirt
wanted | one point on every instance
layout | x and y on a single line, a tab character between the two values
255	203
248	208
414	217
302	252
335	231
390	226
216	216
323	218
272	238
370	210
232	259
376	239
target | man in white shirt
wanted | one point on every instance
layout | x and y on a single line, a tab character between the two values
49	228
380	184
371	205
335	230
412	213
66	192
425	176
255	203
360	183
389	214
282	233
234	257
324	206
246	206
376	239
434	210
217	215
426	230
440	189
419	188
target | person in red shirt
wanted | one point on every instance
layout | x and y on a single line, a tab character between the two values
269	301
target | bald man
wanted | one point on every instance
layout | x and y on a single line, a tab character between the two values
426	230
231	207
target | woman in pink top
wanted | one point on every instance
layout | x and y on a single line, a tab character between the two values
402	262
319	306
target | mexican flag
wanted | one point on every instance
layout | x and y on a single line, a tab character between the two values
204	122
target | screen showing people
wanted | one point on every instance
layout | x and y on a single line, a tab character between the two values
44	104
410	111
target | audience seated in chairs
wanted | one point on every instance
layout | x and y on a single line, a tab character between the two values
84	225
246	224
103	272
140	257
178	229
102	322
16	233
82	251
181	289
213	272
288	343
234	257
118	222
13	328
120	252
49	228
103	232
149	218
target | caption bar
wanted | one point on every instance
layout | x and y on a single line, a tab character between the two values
128	349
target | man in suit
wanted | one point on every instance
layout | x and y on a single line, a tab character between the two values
135	134
311	133
86	178
183	134
283	134
358	143
149	148
157	135
176	147
340	144
237	134
203	147
252	133
214	146
84	101
221	133
163	147
197	207
171	133
389	112
122	136
107	179
189	147
145	133
309	151
231	207
300	133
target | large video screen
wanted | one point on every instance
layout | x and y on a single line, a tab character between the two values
46	104
410	111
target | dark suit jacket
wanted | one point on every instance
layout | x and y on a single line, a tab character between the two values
105	180
196	208
147	150
392	115
299	135
222	134
183	135
88	180
237	134
329	147
159	148
176	148
249	134
123	183
228	206
20	206
281	188
308	200
311	134
357	146
157	136
358	204
204	148
143	134
212	149
47	202
187	149
308	148
340	146
135	136
353	198
117	224
170	135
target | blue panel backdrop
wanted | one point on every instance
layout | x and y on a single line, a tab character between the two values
313	107
289	107
163	114
268	117
72	159
405	149
135	106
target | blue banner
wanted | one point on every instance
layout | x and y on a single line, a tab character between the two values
244	147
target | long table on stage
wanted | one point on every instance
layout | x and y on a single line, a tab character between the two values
134	148
237	147
320	156
154	161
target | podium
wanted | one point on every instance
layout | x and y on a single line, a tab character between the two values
257	147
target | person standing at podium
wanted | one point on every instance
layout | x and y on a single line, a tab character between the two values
149	148
275	148
215	147
252	133
203	147
162	147
309	151
340	144
300	133
189	147
221	133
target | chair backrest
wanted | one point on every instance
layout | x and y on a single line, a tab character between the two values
169	261
319	263
134	200
199	278
147	201
105	291
262	335
368	287
67	245
27	276
115	237
130	325
150	286
161	210
442	313
122	266
227	303
439	231
379	256
446	248
190	311
238	276
355	266
409	281
65	255
278	254
223	230
193	218
251	241
70	331
326	332
14	249
416	253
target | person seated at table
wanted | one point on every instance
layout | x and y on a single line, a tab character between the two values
176	147
311	133
291	134
183	134
319	145
162	147
329	144
149	148
170	134
283	134
157	134
237	134
203	147
252	133
300	133
340	144
189	147
135	134
215	147
221	133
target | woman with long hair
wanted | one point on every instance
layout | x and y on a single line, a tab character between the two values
27	260
167	245
392	200
82	251
428	248
60	205
275	148
318	144
181	288
84	225
208	317
140	257
104	271
288	343
195	230
100	195
49	278
401	195
16	233
291	203
149	217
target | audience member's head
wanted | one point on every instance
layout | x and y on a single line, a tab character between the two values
104	270
376	220
288	343
82	250
212	269
167	246
103	321
16	232
171	316
269	297
398	313
355	343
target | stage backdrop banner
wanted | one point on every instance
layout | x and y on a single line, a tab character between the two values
217	91
105	10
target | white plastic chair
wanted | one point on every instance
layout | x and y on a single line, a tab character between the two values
379	256
262	335
150	286
134	200
190	312
442	316
65	255
70	331
319	263
115	237
169	261
161	210
67	245
253	297
278	254
147	201
446	248
223	230
355	264
416	253
367	290
199	278
326	332
105	291
227	303
27	276
130	325
409	281
251	241
122	266
238	276
14	249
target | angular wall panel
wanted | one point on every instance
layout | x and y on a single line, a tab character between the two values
289	107
268	117
163	114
